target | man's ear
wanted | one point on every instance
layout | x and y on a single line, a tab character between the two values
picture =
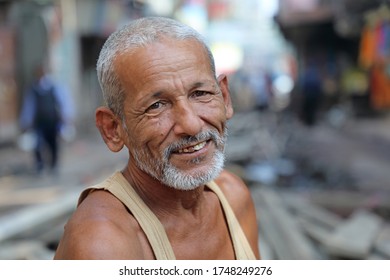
224	86
110	128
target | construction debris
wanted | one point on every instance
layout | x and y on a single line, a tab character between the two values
295	228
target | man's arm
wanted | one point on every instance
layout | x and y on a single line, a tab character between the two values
93	241
95	232
26	117
240	199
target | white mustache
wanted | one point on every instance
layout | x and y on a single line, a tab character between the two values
192	140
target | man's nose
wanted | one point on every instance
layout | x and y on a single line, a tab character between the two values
186	118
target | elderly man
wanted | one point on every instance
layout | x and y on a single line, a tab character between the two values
173	200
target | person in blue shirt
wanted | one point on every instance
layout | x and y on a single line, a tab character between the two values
47	107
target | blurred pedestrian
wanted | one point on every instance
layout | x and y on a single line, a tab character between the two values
312	94
46	108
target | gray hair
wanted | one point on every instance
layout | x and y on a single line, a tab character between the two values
133	35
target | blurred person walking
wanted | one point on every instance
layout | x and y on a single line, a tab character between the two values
46	109
312	94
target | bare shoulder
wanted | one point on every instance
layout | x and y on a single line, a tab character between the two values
235	190
239	197
101	228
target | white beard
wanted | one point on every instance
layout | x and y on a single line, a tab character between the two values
180	180
172	176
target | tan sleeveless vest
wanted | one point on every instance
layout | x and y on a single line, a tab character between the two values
154	230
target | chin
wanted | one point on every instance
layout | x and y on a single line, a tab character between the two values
182	180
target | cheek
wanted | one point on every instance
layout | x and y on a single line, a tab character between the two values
150	135
160	128
213	113
162	124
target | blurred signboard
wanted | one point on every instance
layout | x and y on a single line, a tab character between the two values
295	12
301	5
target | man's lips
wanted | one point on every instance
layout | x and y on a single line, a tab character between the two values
191	149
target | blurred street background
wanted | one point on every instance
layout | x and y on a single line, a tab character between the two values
310	83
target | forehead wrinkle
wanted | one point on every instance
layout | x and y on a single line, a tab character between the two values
204	83
161	76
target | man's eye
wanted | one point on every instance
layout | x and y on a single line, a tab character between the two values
200	93
155	106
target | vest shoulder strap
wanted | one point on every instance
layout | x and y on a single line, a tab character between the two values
152	227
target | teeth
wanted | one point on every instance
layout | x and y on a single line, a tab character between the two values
199	146
193	148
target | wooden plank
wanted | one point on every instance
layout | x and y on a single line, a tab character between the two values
382	243
270	233
322	234
347	201
376	257
52	236
356	236
288	236
48	232
25	250
317	232
265	248
33	216
314	218
309	210
30	196
314	230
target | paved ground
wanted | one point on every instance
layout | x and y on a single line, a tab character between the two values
84	161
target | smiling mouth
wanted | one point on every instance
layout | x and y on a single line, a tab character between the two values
192	149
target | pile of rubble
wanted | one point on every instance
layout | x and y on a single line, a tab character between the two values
292	226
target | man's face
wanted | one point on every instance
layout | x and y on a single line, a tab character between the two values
175	112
